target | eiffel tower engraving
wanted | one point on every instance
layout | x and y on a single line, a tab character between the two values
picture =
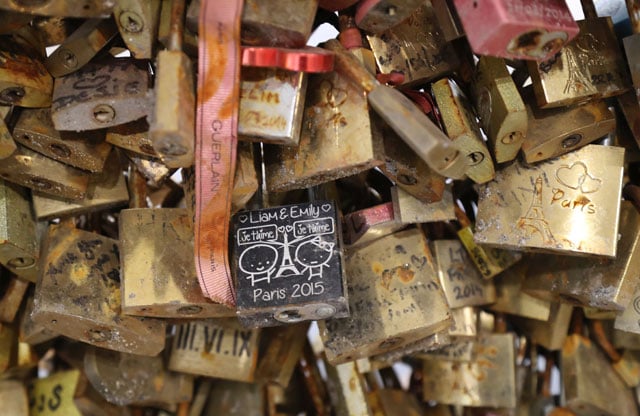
533	221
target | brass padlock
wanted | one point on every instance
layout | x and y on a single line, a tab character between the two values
271	105
83	8
154	284
500	108
461	282
12	291
511	299
7	145
551	333
415	47
539	206
100	95
458	351
465	323
347	390
590	384
629	319
133	136
85	267
81	46
488	380
590	66
390	281
138	25
31	332
462	128
336	113
288	264
14	399
172	119
24	80
369	224
285	24
429	343
280	353
146	381
219	348
154	170
87	150
18	242
556	131
408	209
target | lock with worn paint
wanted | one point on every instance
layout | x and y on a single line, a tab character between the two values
24	80
487	380
154	284
83	150
500	108
7	144
288	264
82	8
85	267
366	225
556	131
137	22
391	281
285	24
590	66
148	383
271	105
100	95
415	47
556	206
461	282
219	348
408	209
19	247
81	46
172	118
462	128
521	29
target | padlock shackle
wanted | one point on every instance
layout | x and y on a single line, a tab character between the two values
589	9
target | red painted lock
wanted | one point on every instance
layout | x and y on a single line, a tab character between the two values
517	29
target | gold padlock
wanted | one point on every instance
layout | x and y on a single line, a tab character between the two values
24	80
552	333
84	267
540	206
138	25
278	23
390	281
511	299
429	343
31	332
219	348
408	209
457	351
465	323
133	136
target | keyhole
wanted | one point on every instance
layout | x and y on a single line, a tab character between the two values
12	94
21	262
131	22
103	113
69	59
475	158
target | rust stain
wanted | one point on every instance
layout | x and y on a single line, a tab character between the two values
229	107
216	42
353	385
405	274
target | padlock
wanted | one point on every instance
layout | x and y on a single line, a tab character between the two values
24	80
81	46
133	136
404	167
105	190
369	224
138	25
429	343
408	209
487	380
276	23
280	353
415	47
245	179
630	109
394	402
551	333
100	95
631	44
336	112
590	385
556	131
347	390
313	381
234	398
517	29
55	29
288	264
462	283
154	284
289	400
457	351
489	261
511	299
18	242
7	145
540	206
8	346
629	319
11	294
624	339
31	332
465	323
84	8
154	170
590	66
377	16
448	20
626	365
87	150
147	381
597	313
13	396
271	105
462	128
219	348
11	21
78	294
502	113
172	119
390	281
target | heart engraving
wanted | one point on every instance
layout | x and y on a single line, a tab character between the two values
578	177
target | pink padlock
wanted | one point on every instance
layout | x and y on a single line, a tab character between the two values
517	29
